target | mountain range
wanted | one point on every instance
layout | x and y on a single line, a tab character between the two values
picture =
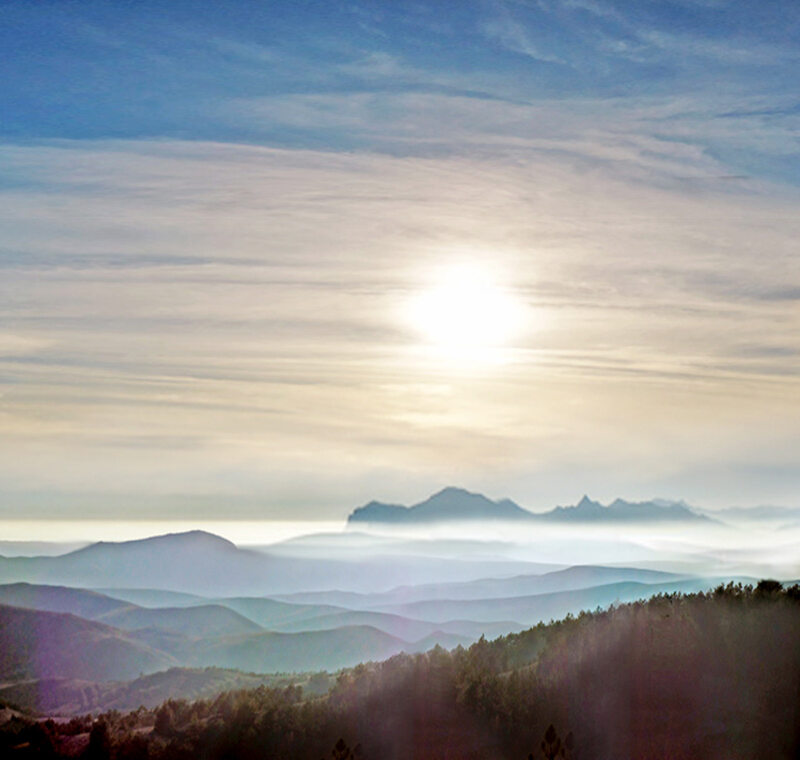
40	644
83	634
200	562
67	648
456	505
120	623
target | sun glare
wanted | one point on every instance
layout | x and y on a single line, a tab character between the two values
467	316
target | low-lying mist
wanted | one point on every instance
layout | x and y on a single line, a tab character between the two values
756	547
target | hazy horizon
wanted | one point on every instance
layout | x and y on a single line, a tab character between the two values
728	546
399	379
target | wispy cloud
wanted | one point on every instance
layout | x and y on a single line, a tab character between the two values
514	36
248	302
212	226
683	136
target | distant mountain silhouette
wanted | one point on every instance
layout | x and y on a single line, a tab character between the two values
587	510
176	561
198	562
456	504
449	504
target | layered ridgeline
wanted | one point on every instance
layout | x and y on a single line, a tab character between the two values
117	624
700	676
458	505
66	649
197	562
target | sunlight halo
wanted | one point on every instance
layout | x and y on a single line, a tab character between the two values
466	315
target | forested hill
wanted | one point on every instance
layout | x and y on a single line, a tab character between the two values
695	676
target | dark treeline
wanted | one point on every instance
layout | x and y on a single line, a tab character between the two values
713	675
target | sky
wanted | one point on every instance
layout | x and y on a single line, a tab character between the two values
271	260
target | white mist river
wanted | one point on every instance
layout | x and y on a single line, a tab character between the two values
758	550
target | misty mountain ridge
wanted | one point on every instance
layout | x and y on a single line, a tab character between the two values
446	505
197	561
192	539
200	620
457	504
620	509
173	561
69	646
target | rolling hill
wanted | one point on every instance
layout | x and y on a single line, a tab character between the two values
567	579
35	644
70	696
204	564
541	607
199	621
408	629
87	604
148	597
274	614
296	652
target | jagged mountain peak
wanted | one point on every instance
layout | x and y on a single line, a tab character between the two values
455	504
449	504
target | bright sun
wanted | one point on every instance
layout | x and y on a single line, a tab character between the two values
467	316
